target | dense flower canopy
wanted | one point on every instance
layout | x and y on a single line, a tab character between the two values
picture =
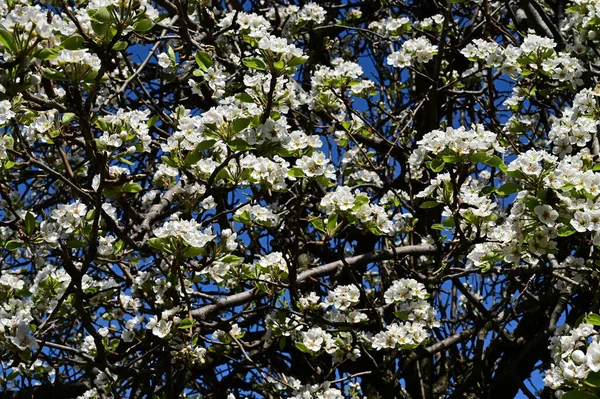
295	199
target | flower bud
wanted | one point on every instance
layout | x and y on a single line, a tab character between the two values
35	79
578	357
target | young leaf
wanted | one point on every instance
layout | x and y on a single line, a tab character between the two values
74	42
104	15
143	25
508	189
6	39
429	204
131	187
240	124
30	223
254	63
119	46
186	324
203	60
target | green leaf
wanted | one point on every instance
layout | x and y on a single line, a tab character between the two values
401	315
319	225
302	348
438	226
100	28
593	378
131	187
126	161
508	189
74	243
517	174
120	46
103	15
332	223
194	340
296	172
192	252
451	158
192	157
30	223
9	142
593	319
240	124
429	204
67	117
89	216
13	375
436	165
480	157
408	347
53	74
171	54
296	61
90	77
232	259
46	54
566	231
168	161
185	324
496	162
159	244
254	63
153	120
244	97
205	145
119	245
203	60
449	222
6	38
13	244
579	395
239	145
143	25
279	65
74	42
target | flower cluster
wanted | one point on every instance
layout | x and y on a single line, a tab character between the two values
391	27
257	214
344	75
343	297
312	12
575	354
64	220
271	267
454	142
485	51
316	165
577	125
76	61
6	113
187	230
409	298
536	51
271	173
419	50
126	127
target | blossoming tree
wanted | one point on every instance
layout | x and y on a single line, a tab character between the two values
293	199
